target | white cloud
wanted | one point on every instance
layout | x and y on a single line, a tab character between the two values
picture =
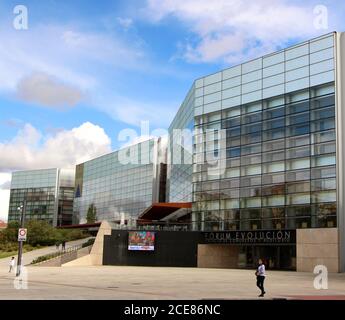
5	181
4	202
125	22
46	90
30	149
231	30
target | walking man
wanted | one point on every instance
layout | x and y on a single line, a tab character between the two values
260	277
12	261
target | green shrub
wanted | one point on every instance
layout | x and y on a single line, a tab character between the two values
46	257
88	243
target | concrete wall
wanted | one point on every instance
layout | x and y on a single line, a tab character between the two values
172	249
317	247
217	256
96	254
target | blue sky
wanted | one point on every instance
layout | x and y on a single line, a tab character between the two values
83	71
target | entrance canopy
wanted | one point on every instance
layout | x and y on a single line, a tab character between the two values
160	210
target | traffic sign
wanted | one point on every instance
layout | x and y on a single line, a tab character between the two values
22	232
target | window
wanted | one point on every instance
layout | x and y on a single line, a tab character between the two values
297	164
251	138
277	189
251	128
252	107
297	141
251	202
274	102
324	196
297	107
273	167
233	162
251	149
273	145
298	152
274	201
298	198
298	118
250	181
233	142
324	160
233	132
274	124
274	134
324	136
232	122
324	148
323	113
229	193
255	159
233	112
319	173
273	156
273	178
322	102
233	152
297	175
274	113
229	204
298	187
231	183
298	130
251	170
324	184
254	117
250	192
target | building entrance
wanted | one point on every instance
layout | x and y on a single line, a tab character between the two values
275	257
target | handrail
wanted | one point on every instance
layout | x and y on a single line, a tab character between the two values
59	253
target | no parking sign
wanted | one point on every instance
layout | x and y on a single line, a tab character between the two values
22	232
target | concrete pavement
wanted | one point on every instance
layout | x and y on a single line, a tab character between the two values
118	282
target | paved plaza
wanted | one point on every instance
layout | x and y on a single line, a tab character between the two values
117	282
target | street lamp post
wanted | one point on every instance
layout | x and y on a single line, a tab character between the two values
22	209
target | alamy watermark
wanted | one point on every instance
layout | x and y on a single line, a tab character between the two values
21	282
321	280
21	19
320	17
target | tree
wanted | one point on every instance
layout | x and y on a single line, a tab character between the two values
10	234
41	232
91	214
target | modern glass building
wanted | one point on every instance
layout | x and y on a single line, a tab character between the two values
119	186
48	194
180	152
274	127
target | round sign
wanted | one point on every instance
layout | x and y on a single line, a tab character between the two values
22	232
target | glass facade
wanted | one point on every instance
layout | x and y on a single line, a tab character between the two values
122	184
274	125
180	153
48	194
